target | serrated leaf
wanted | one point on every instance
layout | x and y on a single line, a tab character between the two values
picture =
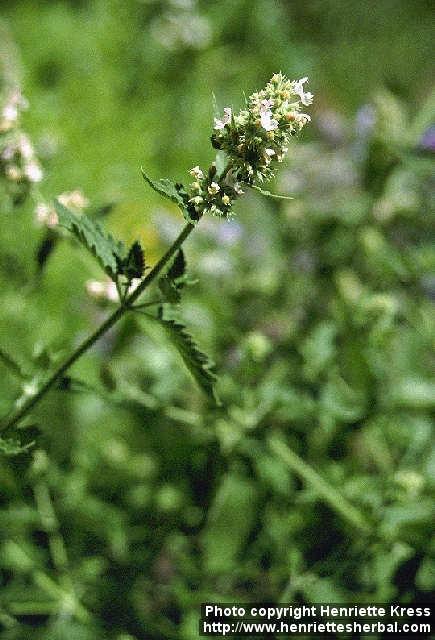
134	264
174	280
178	266
198	363
168	189
268	194
108	251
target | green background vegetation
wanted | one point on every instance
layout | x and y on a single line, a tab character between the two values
138	503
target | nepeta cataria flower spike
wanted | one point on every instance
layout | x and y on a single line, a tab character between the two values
253	141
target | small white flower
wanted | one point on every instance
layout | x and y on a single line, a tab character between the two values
196	173
112	292
33	172
267	122
11	110
265	105
226	200
298	89
10	113
26	147
8	153
46	215
215	211
73	199
302	118
197	199
95	288
269	152
213	188
220	124
102	290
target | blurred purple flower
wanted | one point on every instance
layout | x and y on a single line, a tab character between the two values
365	120
166	224
229	232
427	140
332	127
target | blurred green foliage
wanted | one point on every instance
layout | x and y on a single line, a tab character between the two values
315	480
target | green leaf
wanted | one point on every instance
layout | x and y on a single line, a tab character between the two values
108	251
268	194
133	266
199	364
178	267
230	519
171	191
166	188
174	280
318	350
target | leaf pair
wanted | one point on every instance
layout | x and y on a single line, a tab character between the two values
115	261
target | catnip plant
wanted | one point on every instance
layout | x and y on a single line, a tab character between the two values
249	145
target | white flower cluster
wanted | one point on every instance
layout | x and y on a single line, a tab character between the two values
252	140
74	200
19	165
260	133
18	161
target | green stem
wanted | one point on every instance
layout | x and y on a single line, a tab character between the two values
102	329
329	494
